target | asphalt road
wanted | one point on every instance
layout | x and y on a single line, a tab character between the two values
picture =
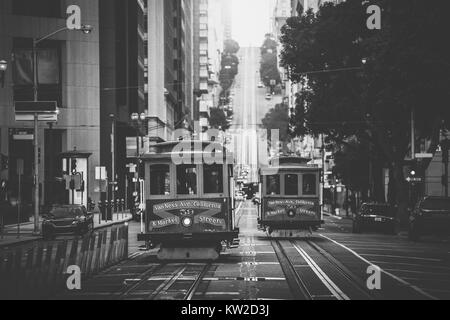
330	265
250	107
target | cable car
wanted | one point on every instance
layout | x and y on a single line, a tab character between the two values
189	200
290	197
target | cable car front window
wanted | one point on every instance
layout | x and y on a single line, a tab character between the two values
309	185
160	180
291	185
273	185
187	180
213	179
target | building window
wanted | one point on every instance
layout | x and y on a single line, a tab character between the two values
49	71
41	8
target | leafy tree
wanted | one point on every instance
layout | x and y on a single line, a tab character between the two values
231	47
407	70
269	45
278	119
218	119
269	69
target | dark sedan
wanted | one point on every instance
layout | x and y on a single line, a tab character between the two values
375	217
431	216
65	220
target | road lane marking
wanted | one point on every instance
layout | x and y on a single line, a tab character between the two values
401	257
412	265
406	283
334	289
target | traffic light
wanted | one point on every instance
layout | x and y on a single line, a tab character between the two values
73	165
4	162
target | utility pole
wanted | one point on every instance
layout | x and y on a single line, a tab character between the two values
113	160
36	141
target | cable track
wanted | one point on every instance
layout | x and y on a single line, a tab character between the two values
168	283
299	290
350	277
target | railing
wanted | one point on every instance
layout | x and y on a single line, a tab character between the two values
39	270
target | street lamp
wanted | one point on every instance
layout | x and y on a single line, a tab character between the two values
137	119
3	68
86	29
3	65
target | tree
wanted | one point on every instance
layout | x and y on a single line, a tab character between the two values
231	47
278	119
218	119
269	69
407	70
269	46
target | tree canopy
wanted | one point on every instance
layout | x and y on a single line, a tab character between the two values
231	46
278	119
406	70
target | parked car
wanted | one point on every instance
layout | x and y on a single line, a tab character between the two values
375	217
261	85
240	196
65	220
268	96
431	216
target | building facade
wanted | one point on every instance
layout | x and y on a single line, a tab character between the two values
170	86
68	73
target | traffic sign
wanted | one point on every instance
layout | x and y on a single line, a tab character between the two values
32	107
21	117
424	156
100	173
414	179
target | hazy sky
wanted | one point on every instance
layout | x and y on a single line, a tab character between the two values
251	21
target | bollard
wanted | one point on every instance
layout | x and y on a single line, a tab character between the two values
102	208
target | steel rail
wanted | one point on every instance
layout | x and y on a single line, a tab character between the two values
299	290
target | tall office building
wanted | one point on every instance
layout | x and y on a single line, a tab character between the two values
123	80
227	18
208	48
170	67
68	73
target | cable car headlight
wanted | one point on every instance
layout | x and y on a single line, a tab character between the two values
187	222
291	213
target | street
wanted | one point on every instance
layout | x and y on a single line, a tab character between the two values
329	265
253	150
250	108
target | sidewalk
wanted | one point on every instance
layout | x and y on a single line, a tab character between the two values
10	237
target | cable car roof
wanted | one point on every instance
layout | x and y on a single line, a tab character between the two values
189	147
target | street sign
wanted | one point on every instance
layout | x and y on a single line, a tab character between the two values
41	117
26	110
22	134
20	167
32	107
100	173
414	180
424	156
132	167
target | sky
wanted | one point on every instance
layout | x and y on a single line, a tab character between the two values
251	21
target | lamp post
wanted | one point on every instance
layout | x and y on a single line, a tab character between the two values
3	68
86	29
137	120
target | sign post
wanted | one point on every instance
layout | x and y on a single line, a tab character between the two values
33	110
20	171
